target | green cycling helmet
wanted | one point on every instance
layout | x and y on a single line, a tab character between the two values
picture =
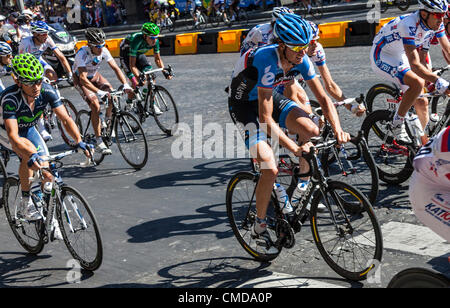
27	68
150	28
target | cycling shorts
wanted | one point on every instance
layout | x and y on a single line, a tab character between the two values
431	204
245	117
31	134
390	67
142	64
98	81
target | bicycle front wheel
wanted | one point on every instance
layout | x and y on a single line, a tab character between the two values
241	211
29	234
72	112
419	278
79	228
131	140
350	243
84	124
164	110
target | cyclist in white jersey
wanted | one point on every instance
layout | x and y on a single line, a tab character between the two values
5	62
429	188
394	57
262	34
92	86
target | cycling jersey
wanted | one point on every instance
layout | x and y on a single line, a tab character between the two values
429	189
27	45
15	107
388	57
134	45
319	58
25	31
261	68
258	36
85	58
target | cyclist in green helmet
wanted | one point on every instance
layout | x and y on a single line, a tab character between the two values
22	105
133	49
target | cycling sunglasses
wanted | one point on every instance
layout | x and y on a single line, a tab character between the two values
438	15
32	83
153	37
98	46
297	48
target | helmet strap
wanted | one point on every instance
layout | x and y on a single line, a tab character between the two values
285	57
424	20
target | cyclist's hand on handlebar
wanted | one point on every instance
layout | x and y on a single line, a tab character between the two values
87	148
303	149
342	137
167	74
127	89
34	162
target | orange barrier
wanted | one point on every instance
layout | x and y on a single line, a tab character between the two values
229	40
114	46
382	22
186	43
333	34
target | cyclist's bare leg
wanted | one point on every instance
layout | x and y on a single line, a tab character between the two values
94	104
421	107
410	96
269	171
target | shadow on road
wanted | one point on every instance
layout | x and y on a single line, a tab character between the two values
201	223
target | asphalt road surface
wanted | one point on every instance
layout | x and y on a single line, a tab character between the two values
166	225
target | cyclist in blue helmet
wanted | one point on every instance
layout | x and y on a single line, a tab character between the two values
5	62
259	112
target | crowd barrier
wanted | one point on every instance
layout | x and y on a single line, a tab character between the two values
335	34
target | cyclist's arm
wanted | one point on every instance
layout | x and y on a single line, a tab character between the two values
416	66
63	61
158	60
68	123
268	124
332	88
133	67
83	76
328	109
117	71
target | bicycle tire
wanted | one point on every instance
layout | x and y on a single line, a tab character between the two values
419	278
19	229
129	124
79	215
378	90
232	205
369	185
322	239
403	5
170	127
87	133
72	111
3	177
405	168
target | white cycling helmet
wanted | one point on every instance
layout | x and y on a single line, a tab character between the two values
434	6
2	18
278	11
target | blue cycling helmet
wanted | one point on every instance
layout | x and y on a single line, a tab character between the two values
434	6
39	27
291	29
314	30
5	49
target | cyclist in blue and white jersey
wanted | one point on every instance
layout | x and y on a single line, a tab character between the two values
429	187
22	104
5	62
257	114
394	57
263	34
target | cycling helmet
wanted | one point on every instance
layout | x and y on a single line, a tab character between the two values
5	49
95	36
27	68
150	28
434	6
293	30
39	27
278	11
314	30
2	18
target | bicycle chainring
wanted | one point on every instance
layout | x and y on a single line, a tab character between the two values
285	234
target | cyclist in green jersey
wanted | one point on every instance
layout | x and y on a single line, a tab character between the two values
133	49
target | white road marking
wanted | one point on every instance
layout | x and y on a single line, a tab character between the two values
279	280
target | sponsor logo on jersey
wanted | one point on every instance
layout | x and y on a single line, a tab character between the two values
438	211
268	78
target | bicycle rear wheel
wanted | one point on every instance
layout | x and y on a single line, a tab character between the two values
168	118
28	234
393	160
382	97
79	228
72	112
419	278
131	140
87	132
241	211
350	243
